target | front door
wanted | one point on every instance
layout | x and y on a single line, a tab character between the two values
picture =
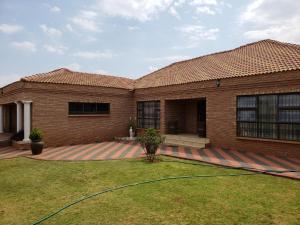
201	118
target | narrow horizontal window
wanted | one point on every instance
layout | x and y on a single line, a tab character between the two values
270	116
80	108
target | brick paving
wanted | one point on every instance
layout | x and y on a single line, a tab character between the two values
123	150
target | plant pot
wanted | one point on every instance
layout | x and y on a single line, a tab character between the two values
37	147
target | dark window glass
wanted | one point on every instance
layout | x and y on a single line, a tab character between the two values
289	116
275	116
103	107
75	108
148	114
289	132
247	102
267	108
90	108
247	115
290	100
80	108
247	129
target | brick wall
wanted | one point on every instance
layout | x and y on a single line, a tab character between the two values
50	109
221	107
50	112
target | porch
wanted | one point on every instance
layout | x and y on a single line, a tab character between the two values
185	123
15	117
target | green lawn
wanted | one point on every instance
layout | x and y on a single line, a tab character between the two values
30	189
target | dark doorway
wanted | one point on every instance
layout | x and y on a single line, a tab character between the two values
10	125
201	120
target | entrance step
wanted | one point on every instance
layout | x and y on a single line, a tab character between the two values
186	140
5	139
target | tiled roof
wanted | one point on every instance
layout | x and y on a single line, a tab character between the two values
66	76
262	57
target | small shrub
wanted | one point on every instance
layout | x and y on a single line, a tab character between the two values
151	140
36	134
19	136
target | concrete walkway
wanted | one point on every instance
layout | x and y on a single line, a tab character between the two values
122	150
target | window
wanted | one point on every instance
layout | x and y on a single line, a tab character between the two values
148	114
79	108
274	116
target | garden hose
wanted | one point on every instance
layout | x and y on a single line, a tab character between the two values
135	184
160	180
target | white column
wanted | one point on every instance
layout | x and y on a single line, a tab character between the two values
1	119
19	116
27	120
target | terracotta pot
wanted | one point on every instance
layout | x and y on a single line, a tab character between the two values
37	147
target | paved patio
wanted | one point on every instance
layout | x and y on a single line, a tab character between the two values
122	150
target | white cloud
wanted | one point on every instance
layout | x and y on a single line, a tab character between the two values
170	58
206	10
195	33
204	2
153	68
179	3
174	12
69	27
25	45
133	28
60	49
142	10
50	30
272	19
87	20
101	71
209	7
74	66
6	79
10	28
94	55
55	9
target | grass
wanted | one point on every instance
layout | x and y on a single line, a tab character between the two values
31	189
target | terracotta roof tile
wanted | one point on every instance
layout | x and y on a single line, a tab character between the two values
66	76
262	57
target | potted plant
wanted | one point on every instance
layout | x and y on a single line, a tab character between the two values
37	144
151	140
132	127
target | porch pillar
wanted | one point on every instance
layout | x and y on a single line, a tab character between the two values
19	116
27	120
1	119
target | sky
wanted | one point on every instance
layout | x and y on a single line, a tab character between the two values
132	38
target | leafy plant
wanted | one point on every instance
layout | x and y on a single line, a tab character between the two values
36	134
151	140
19	136
132	124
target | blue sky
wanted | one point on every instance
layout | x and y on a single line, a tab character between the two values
131	38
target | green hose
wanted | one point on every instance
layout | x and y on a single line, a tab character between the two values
163	179
132	185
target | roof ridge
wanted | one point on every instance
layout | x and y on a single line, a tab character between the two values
104	75
71	71
222	52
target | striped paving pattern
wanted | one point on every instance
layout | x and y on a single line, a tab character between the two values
10	152
238	159
122	150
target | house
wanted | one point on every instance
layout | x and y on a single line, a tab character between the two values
247	98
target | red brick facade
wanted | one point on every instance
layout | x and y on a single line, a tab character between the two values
221	107
50	109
